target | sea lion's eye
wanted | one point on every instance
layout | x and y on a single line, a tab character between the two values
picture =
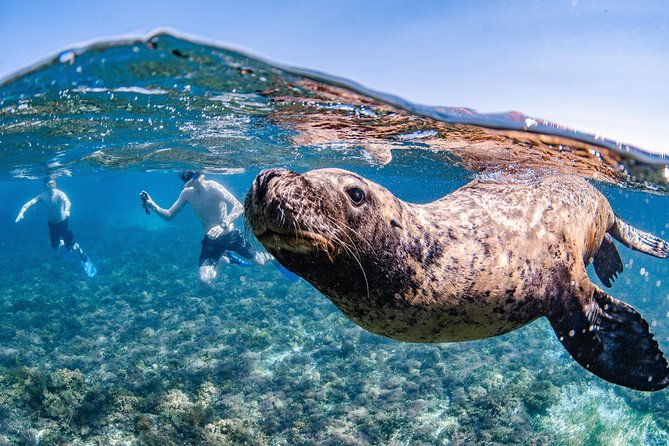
357	195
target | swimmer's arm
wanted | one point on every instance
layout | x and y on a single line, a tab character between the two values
26	207
236	210
66	205
167	214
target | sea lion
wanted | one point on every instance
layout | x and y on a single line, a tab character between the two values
485	259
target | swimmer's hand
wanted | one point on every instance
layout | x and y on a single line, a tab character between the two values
216	231
20	217
144	196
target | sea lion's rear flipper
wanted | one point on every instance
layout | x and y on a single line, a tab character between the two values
607	262
611	340
639	240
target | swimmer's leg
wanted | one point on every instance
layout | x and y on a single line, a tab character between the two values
207	275
71	245
243	247
77	248
54	236
86	264
67	236
209	256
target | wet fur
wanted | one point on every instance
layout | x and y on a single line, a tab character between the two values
484	260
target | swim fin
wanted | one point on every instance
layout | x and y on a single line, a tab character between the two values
89	268
237	259
241	261
288	274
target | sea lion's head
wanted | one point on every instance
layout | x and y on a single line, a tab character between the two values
334	228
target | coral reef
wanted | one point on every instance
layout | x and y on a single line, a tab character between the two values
145	356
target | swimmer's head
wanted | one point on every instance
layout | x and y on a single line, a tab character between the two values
187	175
49	182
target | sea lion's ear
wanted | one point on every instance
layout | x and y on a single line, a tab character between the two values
395	223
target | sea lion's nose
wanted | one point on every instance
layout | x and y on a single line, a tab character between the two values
263	179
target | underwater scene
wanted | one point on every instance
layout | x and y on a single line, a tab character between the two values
115	339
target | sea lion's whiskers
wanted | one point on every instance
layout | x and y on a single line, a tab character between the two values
344	229
362	269
335	236
327	243
348	248
282	217
336	240
297	229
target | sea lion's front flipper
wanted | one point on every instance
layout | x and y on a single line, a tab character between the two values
612	340
607	262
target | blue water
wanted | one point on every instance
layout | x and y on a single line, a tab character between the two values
143	354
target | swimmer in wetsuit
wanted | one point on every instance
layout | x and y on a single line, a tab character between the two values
58	215
217	209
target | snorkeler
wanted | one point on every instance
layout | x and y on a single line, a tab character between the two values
211	201
58	214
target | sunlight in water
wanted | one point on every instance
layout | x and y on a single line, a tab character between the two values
142	353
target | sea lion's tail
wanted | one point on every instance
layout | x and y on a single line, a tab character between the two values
639	240
611	339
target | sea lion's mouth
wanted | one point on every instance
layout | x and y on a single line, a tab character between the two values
286	218
296	241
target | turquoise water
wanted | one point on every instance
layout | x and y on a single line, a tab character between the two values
142	354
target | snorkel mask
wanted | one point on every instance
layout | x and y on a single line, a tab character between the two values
188	175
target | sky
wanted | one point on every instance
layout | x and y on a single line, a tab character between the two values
601	67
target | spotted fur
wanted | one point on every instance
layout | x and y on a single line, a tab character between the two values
486	259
